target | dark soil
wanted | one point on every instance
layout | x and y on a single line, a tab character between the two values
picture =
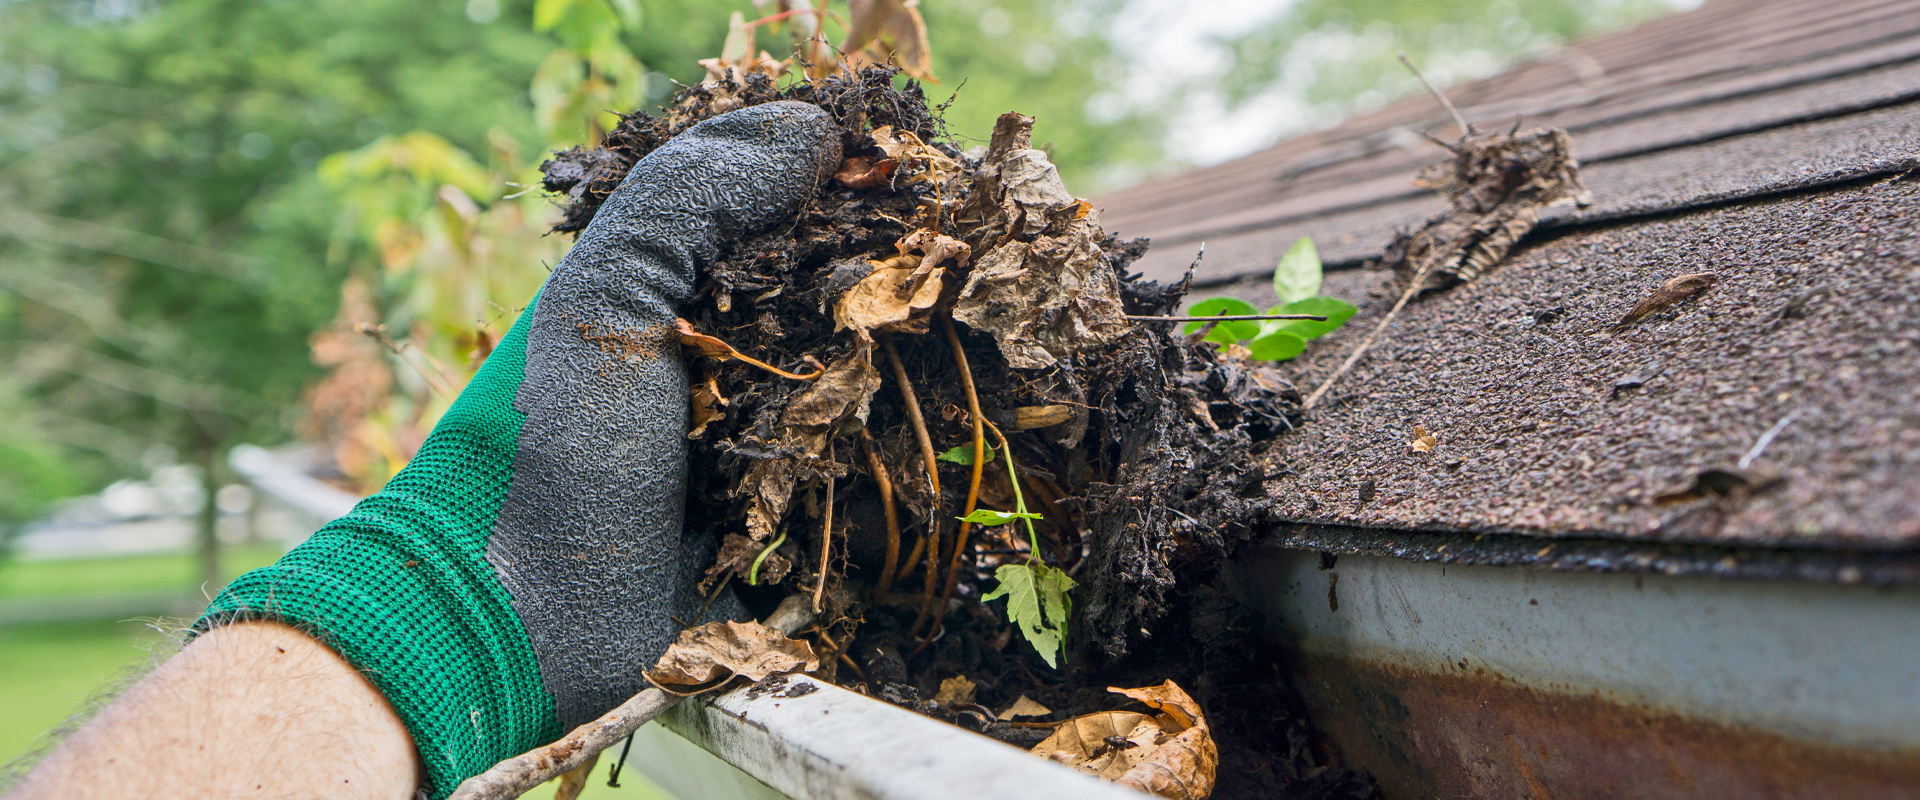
1145	490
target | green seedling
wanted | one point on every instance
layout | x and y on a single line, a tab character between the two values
1036	594
1296	285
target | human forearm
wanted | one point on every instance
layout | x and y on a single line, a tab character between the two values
254	709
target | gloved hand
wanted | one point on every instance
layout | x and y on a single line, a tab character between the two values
513	581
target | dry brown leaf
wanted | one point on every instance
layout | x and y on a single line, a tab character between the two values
899	294
888	300
863	172
956	689
1423	441
1088	743
841	394
888	31
1042	288
1171	755
918	160
1024	707
707	657
708	405
1673	292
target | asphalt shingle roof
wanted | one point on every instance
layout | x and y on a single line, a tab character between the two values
1773	142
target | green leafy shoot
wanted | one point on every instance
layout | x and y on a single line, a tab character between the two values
991	518
1036	594
964	455
1298	275
1037	603
1296	283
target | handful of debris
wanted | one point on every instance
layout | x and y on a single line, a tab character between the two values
991	300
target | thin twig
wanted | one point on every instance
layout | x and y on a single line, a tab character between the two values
826	538
1412	290
1228	318
880	479
1465	129
913	416
1767	438
513	777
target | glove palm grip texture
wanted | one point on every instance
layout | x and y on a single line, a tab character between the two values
515	578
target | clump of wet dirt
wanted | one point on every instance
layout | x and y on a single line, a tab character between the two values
1135	444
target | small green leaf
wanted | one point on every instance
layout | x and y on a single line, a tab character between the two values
964	455
1297	277
1224	332
1277	346
992	518
1037	603
1336	311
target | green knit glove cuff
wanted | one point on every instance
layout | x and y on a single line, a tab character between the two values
402	588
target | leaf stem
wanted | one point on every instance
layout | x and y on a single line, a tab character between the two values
1230	318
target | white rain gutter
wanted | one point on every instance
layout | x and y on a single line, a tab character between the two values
806	740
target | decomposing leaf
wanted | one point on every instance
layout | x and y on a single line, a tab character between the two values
1731	483
1675	291
1024	707
899	294
956	689
1496	185
1042	287
863	172
708	405
1037	602
1171	754
1423	441
841	394
916	159
707	657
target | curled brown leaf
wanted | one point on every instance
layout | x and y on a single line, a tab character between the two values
709	656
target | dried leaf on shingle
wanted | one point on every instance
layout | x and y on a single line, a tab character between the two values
1673	292
707	657
1496	185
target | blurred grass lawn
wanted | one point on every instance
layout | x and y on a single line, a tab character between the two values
49	669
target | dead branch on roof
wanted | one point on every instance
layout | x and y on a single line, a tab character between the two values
1496	185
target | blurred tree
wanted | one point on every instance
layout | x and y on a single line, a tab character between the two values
173	231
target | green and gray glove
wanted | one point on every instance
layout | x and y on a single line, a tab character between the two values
513	581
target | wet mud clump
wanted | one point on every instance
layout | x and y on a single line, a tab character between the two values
930	306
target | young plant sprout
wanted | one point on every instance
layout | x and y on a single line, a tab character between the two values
1296	284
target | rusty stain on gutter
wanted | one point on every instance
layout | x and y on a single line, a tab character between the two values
1474	733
